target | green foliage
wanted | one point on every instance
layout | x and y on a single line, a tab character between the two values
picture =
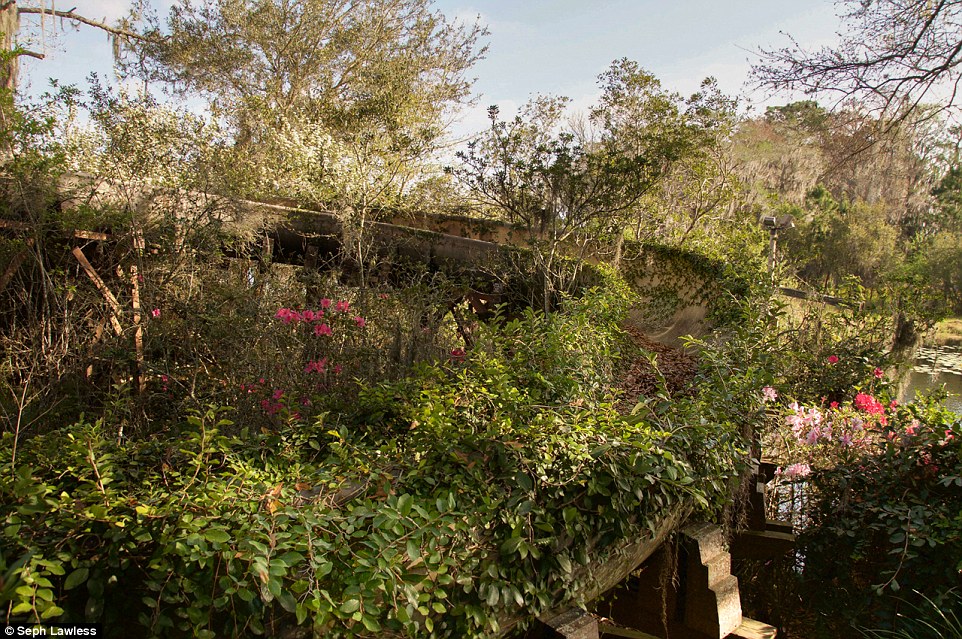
835	239
827	351
435	505
927	619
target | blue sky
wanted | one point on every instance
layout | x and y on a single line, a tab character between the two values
548	46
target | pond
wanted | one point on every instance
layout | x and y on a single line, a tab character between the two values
936	366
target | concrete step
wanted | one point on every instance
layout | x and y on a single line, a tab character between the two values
710	539
751	629
719	567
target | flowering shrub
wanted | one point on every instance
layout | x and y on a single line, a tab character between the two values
436	505
885	495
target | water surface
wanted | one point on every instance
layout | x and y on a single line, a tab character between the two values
936	366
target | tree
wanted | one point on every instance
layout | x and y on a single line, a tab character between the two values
332	101
894	56
10	13
305	71
575	180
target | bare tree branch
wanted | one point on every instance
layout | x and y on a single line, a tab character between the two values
893	56
76	17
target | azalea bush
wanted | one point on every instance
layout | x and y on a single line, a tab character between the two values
882	485
825	351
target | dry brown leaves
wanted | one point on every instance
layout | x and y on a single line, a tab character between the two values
676	366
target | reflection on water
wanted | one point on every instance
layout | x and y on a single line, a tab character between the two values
934	367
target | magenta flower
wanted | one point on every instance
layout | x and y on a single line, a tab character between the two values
325	303
155	313
322	329
833	359
287	315
878	373
316	366
342	306
308	315
360	321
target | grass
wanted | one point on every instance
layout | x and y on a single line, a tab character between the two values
948	332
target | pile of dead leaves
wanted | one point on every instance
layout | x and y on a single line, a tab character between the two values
640	378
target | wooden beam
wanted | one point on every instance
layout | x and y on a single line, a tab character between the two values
99	283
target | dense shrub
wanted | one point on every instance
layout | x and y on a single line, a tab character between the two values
436	504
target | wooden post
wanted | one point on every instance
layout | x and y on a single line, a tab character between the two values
138	329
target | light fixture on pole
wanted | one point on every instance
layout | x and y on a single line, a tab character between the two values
774	225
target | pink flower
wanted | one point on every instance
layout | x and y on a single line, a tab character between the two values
833	405
278	393
868	404
769	394
164	379
325	303
316	366
457	354
360	321
337	369
384	296
342	306
322	329
286	315
155	313
912	428
878	373
308	315
893	404
795	470
833	359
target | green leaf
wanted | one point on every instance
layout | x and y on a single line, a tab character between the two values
217	536
52	611
75	578
371	623
523	481
404	504
349	606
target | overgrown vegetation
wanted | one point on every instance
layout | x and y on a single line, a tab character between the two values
223	417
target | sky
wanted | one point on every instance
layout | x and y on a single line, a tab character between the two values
554	47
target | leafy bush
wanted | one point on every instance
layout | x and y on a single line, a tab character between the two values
437	504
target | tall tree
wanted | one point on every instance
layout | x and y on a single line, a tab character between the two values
575	180
296	71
